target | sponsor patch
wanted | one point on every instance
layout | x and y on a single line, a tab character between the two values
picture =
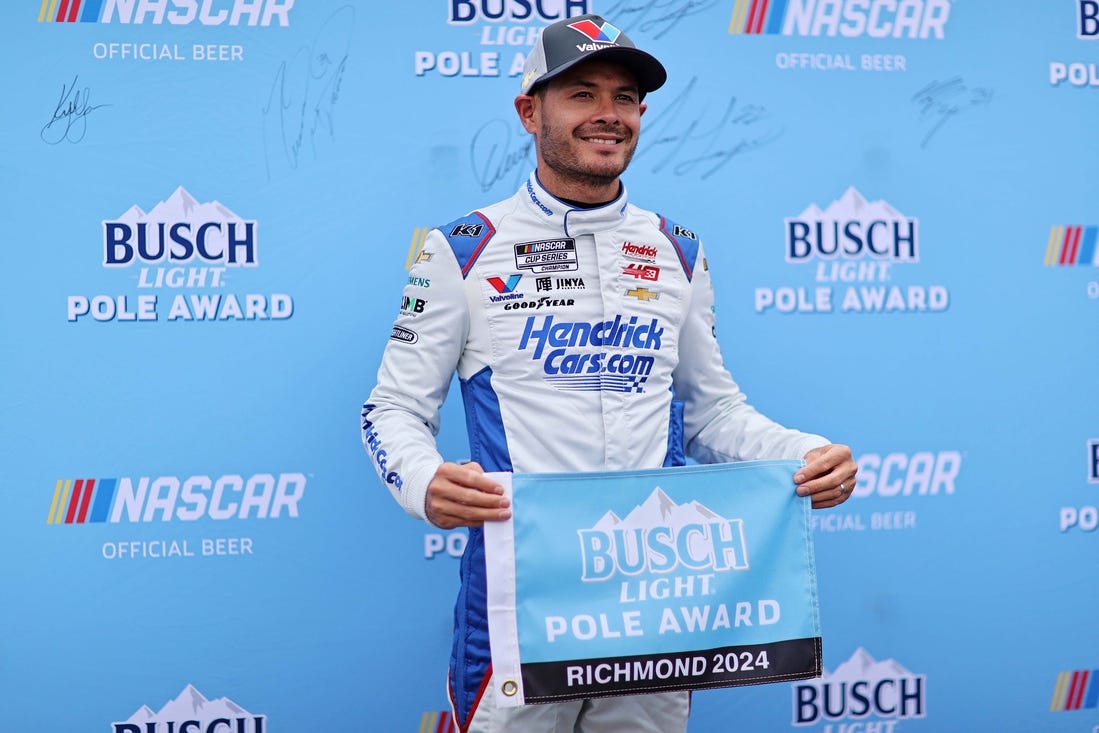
467	230
413	306
547	255
404	335
642	252
545	284
643	294
649	273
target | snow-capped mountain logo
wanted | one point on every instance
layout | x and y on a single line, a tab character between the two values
191	711
180	230
852	227
860	688
660	536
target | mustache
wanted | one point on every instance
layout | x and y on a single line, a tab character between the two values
603	130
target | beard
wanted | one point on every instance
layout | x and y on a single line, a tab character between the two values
558	148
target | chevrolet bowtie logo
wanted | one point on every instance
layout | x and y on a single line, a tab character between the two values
643	294
416	253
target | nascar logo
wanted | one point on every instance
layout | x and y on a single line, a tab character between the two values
1072	245
1076	690
113	500
848	18
208	12
437	722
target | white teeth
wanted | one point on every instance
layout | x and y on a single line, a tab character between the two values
601	140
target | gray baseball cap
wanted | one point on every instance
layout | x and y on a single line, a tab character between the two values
567	42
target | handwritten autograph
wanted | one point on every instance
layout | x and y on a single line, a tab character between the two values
657	17
69	120
941	100
687	146
300	107
499	150
672	139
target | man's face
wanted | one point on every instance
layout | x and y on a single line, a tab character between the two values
587	123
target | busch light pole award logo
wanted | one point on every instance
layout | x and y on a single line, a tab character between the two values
855	249
183	254
861	689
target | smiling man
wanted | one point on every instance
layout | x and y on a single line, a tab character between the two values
582	331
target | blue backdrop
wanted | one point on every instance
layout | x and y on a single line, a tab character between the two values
211	206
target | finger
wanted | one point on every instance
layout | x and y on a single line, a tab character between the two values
449	516
839	482
826	503
446	511
469	475
827	473
812	484
477	497
463	495
823	460
826	498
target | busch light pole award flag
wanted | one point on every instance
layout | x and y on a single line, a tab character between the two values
642	581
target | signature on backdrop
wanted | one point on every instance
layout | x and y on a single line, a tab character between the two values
69	119
939	101
299	115
686	134
654	18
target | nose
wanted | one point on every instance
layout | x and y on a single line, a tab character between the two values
606	112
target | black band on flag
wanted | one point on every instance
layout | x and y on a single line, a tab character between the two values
730	666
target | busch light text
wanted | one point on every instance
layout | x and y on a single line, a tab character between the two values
231	243
717	546
883	240
543	11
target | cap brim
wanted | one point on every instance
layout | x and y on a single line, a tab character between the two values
650	73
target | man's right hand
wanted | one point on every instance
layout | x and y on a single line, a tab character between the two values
461	495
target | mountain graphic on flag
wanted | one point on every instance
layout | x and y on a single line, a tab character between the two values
659	510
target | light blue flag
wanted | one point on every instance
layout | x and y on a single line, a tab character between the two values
642	581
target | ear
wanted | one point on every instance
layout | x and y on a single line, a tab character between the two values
641	108
525	106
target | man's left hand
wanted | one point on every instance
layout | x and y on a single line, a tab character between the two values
828	476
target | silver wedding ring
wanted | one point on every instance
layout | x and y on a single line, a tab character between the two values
843	489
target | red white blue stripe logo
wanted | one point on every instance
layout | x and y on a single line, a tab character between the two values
82	500
70	11
605	33
1076	690
1072	245
757	16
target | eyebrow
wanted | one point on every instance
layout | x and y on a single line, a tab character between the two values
590	84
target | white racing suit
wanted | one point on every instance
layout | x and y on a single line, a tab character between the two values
584	341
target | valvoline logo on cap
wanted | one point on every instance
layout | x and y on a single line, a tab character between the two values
605	33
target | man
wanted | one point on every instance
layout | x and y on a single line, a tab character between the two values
582	330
